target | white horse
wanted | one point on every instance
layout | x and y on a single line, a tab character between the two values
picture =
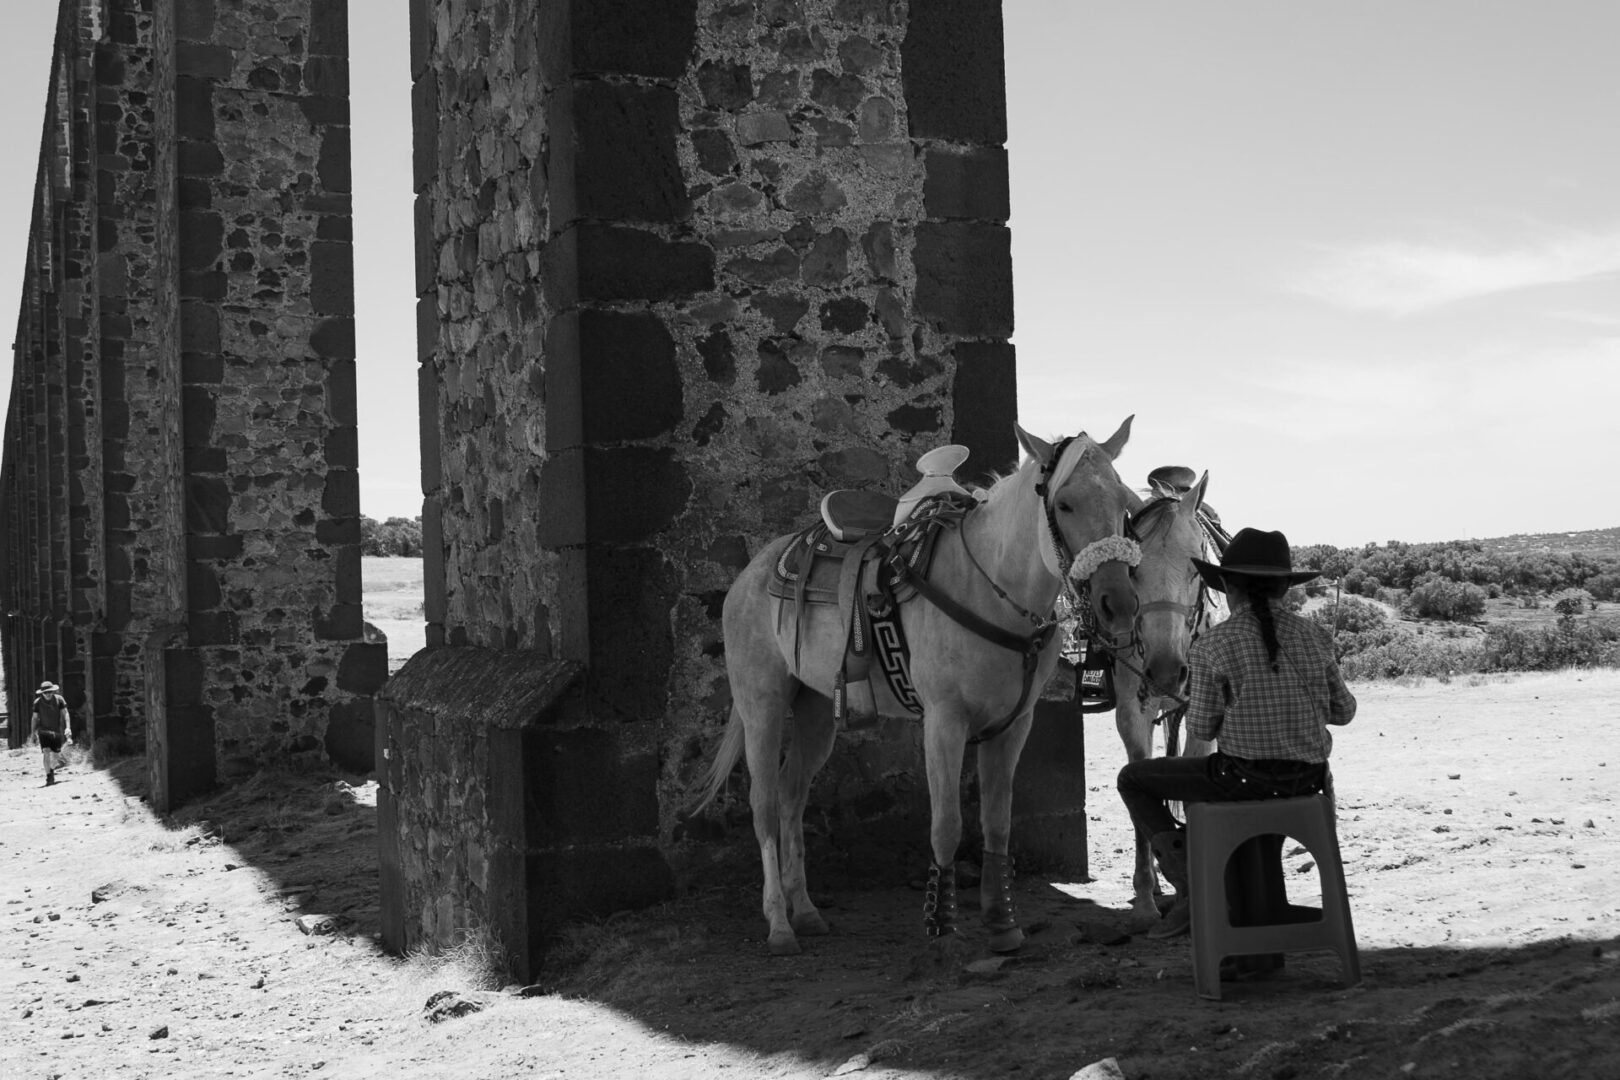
1150	677
978	671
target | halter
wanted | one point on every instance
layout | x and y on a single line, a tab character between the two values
1043	487
1193	614
1070	567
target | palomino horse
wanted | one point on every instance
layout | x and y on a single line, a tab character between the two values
1150	677
1058	517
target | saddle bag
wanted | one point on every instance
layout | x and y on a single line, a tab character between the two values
1094	679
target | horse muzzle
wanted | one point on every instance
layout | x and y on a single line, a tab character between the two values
1113	601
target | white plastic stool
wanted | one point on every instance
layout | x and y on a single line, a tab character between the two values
1256	918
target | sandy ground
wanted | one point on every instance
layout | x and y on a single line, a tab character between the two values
1479	823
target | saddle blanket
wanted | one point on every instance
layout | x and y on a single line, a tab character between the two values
860	577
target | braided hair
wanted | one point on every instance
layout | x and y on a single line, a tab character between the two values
1260	594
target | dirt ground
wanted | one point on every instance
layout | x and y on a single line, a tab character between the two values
1479	822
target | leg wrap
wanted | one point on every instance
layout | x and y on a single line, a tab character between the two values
995	891
939	902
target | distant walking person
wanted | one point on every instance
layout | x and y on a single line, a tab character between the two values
1265	685
52	726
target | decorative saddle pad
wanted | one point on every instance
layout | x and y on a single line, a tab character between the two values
859	577
817	553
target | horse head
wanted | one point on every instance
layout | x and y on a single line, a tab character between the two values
1167	583
1083	506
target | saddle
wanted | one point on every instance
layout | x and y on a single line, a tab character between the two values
858	558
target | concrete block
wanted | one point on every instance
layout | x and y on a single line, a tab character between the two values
632	492
630	593
984	399
651	38
968	184
964	278
630	382
629	264
954	68
626	168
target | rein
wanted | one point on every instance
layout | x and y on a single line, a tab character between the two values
1029	646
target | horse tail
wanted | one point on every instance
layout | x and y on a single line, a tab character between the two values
725	757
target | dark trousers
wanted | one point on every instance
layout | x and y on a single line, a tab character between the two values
1145	786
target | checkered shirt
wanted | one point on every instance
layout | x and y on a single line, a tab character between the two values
1257	713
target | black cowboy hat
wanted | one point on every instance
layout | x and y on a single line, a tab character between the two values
1254	554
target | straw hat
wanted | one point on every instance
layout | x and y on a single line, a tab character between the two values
1254	554
48	687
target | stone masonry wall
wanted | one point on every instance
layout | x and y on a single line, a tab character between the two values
683	266
140	379
181	446
266	340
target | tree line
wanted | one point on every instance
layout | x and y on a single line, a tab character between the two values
395	536
1366	570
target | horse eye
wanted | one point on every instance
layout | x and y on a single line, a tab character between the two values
1064	507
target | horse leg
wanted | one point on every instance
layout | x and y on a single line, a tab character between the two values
812	744
1136	732
998	760
762	735
943	745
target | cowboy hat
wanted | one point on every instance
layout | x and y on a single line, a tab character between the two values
1254	554
48	687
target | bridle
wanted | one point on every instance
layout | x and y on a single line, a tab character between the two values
1132	653
1030	646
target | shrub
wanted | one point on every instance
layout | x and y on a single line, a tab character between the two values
1357	583
1570	643
1401	655
1604	586
1572	601
1348	615
1435	597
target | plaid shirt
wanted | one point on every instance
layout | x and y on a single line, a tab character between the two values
1257	713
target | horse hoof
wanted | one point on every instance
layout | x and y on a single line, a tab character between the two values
1007	941
1144	914
783	945
810	924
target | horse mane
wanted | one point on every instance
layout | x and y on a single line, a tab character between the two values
1002	482
1154	517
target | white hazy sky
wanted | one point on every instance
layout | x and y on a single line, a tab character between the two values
1360	261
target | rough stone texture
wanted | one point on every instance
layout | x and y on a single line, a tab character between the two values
501	806
683	266
180	464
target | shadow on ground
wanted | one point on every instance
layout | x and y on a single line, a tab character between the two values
311	829
872	995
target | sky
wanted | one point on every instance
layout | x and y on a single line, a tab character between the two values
1359	261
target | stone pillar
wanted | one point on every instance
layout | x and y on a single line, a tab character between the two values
683	266
263	268
182	505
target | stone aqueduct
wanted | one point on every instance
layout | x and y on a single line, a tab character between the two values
681	266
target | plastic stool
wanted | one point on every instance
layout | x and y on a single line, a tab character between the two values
1239	904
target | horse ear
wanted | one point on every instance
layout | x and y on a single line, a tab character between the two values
1116	441
1039	449
1195	497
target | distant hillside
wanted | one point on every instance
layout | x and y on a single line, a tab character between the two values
1596	542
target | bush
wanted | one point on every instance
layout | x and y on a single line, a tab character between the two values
1435	597
1570	643
1604	586
1572	601
1390	654
1348	615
